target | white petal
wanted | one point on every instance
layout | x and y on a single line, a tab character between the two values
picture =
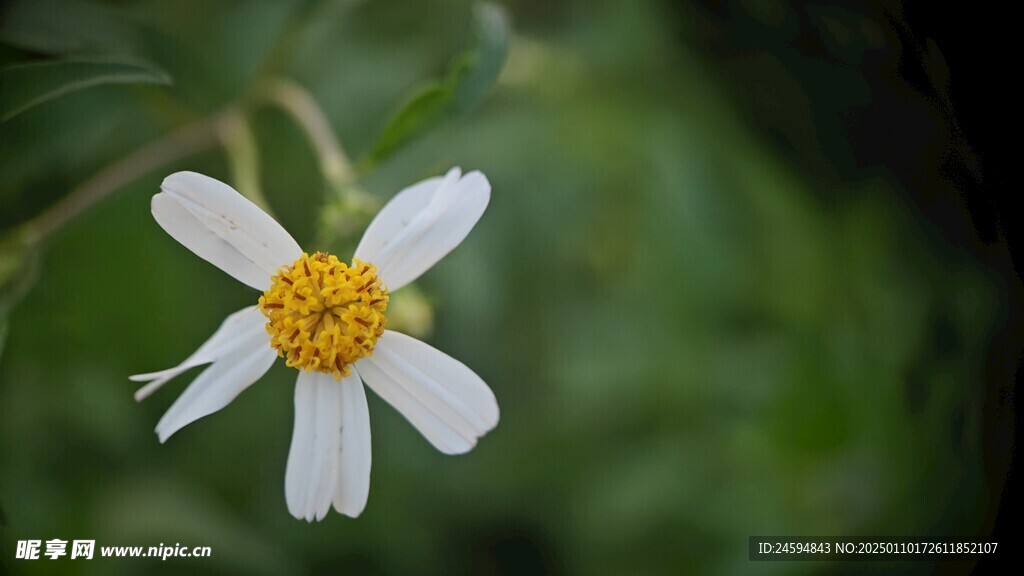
395	215
235	219
203	242
315	454
217	386
353	485
422	224
446	401
240	331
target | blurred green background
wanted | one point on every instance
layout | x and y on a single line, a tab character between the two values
693	339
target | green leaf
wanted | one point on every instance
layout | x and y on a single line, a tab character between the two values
23	86
65	27
470	77
481	67
418	112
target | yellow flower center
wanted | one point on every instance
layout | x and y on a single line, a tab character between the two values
324	314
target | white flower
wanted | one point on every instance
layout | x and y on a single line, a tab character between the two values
327	319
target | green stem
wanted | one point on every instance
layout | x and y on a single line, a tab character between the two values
185	141
243	156
347	207
304	110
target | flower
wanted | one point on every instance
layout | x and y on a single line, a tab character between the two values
327	319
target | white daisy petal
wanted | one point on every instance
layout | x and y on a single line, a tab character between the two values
235	219
217	386
315	454
407	238
395	215
203	242
240	331
353	486
446	401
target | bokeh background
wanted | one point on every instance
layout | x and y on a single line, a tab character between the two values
729	283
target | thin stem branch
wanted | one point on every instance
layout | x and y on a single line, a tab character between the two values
243	156
185	141
303	108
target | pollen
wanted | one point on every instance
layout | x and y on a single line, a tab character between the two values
325	314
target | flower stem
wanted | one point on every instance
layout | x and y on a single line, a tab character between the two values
243	155
303	108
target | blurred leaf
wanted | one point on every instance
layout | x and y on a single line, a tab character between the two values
18	271
89	44
470	77
142	509
484	64
23	86
61	27
3	333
